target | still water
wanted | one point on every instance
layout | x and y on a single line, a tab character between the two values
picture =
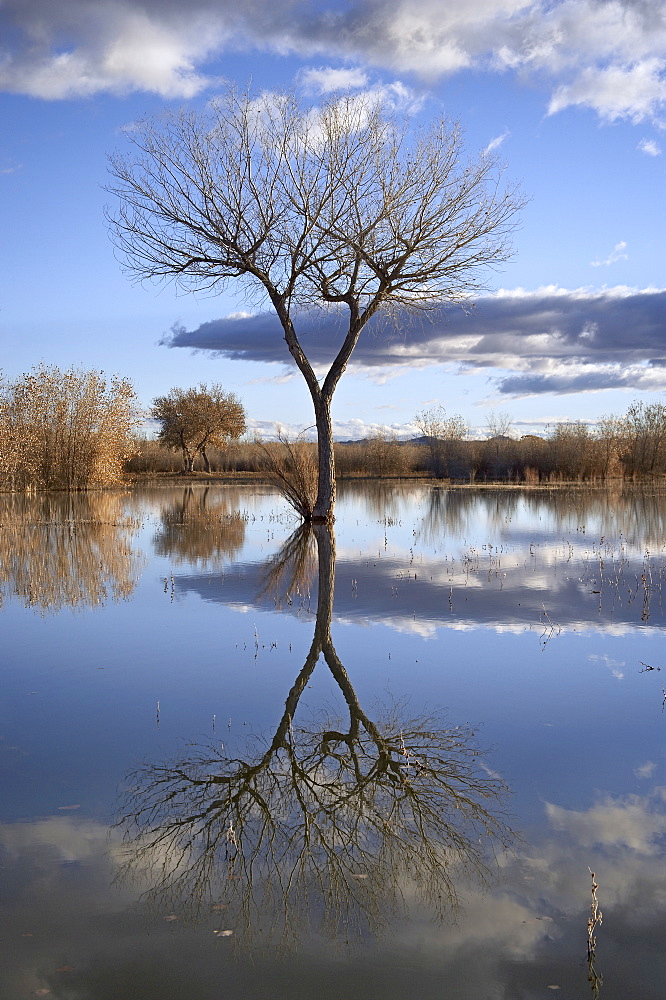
241	761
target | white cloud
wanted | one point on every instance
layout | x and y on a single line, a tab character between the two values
617	253
645	770
635	92
280	379
327	79
609	55
352	429
649	147
613	665
67	837
496	142
111	47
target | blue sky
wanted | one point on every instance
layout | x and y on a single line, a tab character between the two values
571	94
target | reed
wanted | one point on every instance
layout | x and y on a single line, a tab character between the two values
291	466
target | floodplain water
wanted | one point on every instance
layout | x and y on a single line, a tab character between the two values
244	760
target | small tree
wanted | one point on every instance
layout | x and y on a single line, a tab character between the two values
499	454
572	447
499	424
443	436
645	441
337	208
193	420
610	435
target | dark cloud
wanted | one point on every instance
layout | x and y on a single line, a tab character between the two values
554	341
594	380
260	338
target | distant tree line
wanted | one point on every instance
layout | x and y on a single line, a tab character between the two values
632	446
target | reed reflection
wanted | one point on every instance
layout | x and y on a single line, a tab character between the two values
67	550
200	528
333	824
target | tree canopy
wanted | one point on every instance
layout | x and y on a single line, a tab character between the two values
343	207
193	420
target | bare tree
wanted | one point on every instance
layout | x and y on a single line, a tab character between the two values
499	424
341	208
645	443
610	436
499	454
192	420
442	435
572	447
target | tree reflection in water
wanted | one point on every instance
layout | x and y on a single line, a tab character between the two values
333	825
71	550
199	531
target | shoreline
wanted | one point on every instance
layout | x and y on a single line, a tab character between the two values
173	479
251	479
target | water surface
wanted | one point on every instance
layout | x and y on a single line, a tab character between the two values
242	760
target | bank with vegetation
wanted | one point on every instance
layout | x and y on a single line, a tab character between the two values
78	430
628	447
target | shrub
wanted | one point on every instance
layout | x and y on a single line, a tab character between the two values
66	430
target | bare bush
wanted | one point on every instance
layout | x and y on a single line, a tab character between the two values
152	456
292	467
381	456
65	429
444	436
644	451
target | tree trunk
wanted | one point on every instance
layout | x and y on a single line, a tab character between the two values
322	394
205	458
325	502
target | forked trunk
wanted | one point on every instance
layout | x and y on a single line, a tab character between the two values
321	395
188	462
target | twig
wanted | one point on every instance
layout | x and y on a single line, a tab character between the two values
594	920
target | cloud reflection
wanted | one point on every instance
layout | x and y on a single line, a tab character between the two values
526	935
507	560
